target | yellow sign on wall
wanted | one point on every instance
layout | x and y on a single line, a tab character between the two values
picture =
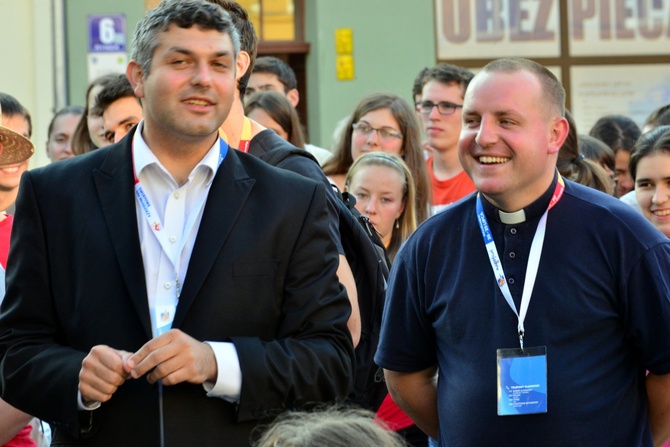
344	49
344	41
345	67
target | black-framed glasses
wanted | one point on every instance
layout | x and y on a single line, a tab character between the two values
443	107
385	133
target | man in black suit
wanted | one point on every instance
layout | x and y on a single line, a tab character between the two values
185	308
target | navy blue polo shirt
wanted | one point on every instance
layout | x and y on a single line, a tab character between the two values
600	305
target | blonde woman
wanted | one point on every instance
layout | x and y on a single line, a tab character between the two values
384	190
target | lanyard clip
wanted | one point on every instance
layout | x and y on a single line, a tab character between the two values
521	338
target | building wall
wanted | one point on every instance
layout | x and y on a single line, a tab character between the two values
393	41
77	12
26	64
385	60
28	70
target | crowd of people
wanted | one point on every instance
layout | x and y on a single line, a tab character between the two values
166	286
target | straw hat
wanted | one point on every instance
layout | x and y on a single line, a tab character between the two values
14	147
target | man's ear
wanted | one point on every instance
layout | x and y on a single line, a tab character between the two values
558	132
293	97
242	64
136	78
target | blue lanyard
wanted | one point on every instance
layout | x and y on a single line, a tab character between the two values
533	258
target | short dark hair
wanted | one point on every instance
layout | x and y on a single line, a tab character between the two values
448	74
118	88
248	37
279	68
617	131
659	117
417	86
12	107
596	150
654	141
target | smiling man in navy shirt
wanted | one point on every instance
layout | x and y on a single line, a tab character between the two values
529	314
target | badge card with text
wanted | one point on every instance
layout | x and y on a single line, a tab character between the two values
522	381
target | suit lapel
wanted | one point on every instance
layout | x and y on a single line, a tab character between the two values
114	183
227	195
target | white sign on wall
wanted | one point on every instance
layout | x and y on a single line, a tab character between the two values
610	90
106	45
468	29
473	29
619	27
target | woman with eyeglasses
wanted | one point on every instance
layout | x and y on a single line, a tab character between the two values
383	123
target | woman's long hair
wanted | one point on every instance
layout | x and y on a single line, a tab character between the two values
407	222
412	150
281	111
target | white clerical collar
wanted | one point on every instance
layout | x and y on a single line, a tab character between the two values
514	218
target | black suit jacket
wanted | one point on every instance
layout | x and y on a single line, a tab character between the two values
262	276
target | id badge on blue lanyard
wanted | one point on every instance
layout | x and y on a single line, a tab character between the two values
521	372
522	381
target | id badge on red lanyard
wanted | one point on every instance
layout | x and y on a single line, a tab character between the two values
166	306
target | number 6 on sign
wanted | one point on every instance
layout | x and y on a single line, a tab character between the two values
106	31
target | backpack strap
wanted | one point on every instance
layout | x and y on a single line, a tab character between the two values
277	155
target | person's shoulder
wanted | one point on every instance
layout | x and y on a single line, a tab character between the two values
295	159
464	208
444	228
266	173
630	199
610	216
598	201
109	159
265	141
322	155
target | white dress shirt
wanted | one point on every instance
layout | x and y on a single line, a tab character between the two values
178	210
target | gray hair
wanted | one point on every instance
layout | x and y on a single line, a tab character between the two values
184	14
329	427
